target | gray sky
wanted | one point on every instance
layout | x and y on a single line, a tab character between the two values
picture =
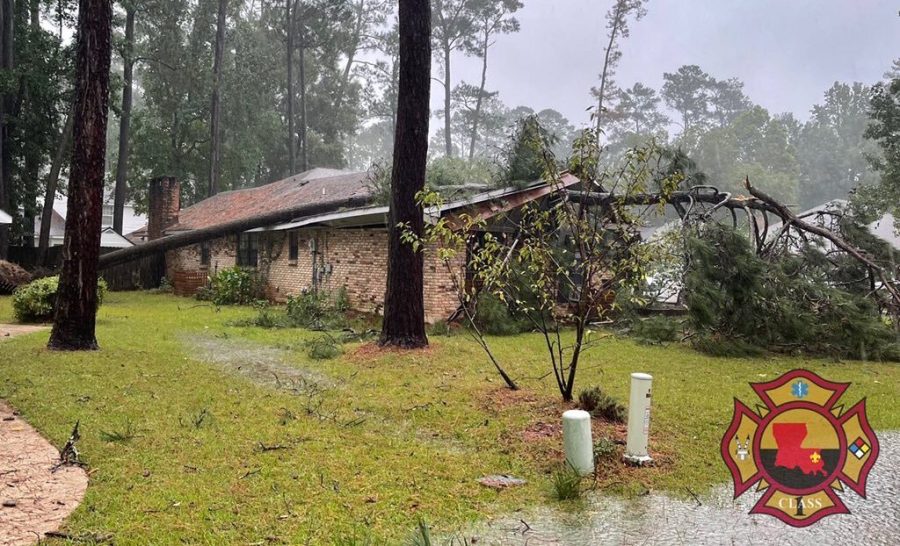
787	52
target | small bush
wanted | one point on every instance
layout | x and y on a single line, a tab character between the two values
318	310
323	348
440	328
165	286
11	277
601	405
232	286
493	317
36	301
605	448
566	483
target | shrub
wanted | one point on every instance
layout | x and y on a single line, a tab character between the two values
11	277
601	405
317	310
36	301
605	448
233	286
323	348
493	316
440	328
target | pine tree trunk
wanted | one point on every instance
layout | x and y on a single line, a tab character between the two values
65	140
292	138
304	148
448	131
216	108
479	102
404	306
124	123
7	64
76	303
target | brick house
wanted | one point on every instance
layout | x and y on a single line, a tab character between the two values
345	249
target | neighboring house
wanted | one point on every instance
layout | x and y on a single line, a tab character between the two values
5	218
108	237
345	249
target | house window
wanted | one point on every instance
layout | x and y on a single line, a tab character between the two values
293	247
204	254
248	250
107	215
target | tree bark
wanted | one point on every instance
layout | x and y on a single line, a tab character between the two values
290	7
606	61
448	131
352	49
124	122
304	148
216	108
404	305
76	303
6	63
65	140
485	45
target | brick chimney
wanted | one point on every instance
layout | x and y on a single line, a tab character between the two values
165	202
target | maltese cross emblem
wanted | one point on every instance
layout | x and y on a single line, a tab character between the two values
801	447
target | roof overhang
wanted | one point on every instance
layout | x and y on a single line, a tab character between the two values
483	206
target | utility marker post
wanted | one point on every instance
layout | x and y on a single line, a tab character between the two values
639	420
579	445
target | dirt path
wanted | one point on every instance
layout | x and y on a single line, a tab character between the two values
33	498
12	330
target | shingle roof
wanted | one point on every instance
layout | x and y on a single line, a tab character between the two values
310	187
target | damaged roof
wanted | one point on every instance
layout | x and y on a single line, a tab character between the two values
481	206
313	186
329	185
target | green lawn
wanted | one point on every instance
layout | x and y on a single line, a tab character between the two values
384	439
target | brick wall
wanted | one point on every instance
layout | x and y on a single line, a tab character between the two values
164	205
355	259
183	267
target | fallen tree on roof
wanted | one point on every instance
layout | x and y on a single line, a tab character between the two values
179	240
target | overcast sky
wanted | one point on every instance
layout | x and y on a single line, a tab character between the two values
787	52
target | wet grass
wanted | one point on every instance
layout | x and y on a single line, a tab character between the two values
218	455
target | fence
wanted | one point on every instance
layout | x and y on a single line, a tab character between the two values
143	273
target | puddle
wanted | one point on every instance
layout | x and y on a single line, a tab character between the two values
266	366
661	519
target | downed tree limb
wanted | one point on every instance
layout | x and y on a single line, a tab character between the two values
178	240
678	198
791	219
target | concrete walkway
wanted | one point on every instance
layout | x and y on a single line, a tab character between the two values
34	499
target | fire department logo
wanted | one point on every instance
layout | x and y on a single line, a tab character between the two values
801	447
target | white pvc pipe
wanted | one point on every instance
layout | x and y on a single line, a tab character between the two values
639	419
579	445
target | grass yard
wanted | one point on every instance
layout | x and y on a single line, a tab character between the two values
186	444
